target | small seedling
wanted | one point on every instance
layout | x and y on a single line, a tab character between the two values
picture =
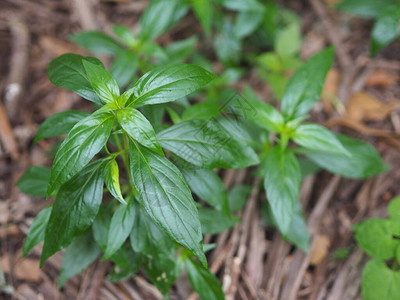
380	239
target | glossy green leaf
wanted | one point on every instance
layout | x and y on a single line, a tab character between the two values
120	227
111	179
124	67
37	230
305	86
101	224
379	282
75	208
364	161
247	22
164	194
160	16
139	128
84	141
96	42
282	185
102	82
316	137
386	28
208	186
67	71
206	145
394	208
167	83
374	236
204	12
59	123
203	281
364	8
214	221
237	197
78	256
147	238
34	181
266	116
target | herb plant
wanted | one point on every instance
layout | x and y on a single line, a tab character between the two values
387	16
153	207
280	167
380	239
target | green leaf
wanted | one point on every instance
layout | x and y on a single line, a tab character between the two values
203	281
78	256
364	161
59	123
386	28
227	45
394	208
101	224
102	82
180	50
164	194
84	141
167	83
124	67
204	12
206	145
127	263
161	270
37	230
139	128
379	282
201	110
111	179
208	186
237	197
266	116
126	35
120	227
282	185
288	41
214	221
304	87
160	16
298	232
364	8
74	209
34	181
247	22
374	236
96	42
243	5
147	238
67	71
316	137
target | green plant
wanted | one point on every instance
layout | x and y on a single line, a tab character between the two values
380	239
387	14
153	207
280	166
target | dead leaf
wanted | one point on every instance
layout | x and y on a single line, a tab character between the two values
364	107
382	78
330	90
320	249
24	269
